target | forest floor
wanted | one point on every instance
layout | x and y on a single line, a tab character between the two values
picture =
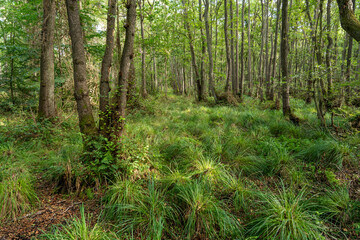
240	157
53	209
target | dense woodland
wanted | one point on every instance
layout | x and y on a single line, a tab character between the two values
157	119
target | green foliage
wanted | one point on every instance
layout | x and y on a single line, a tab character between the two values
286	215
99	158
135	159
17	194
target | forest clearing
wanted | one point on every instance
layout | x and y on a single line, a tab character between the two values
183	119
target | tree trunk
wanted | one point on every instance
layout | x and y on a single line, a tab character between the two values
266	77
349	21
119	113
228	59
143	79
242	72
47	108
249	49
86	119
106	66
284	57
192	51
261	64
209	46
203	51
328	47
233	60
237	82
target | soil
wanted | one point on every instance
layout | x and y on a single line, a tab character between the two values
52	209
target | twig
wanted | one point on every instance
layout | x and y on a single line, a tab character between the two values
73	205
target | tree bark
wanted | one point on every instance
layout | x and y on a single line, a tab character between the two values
209	46
241	81
86	119
203	51
328	47
192	52
233	60
106	66
228	59
47	107
284	57
249	49
348	20
143	53
119	113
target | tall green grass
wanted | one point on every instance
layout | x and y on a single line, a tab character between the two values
205	216
79	228
143	213
286	215
17	194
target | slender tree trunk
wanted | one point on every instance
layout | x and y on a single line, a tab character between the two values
155	74
233	60
209	48
166	80
143	53
249	48
12	80
348	65
328	47
284	58
86	119
119	113
261	64
237	82
228	59
203	51
242	72
47	107
106	67
192	51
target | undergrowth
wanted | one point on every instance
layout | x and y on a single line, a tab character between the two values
193	171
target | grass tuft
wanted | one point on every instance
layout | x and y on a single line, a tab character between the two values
205	216
17	195
286	215
79	228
